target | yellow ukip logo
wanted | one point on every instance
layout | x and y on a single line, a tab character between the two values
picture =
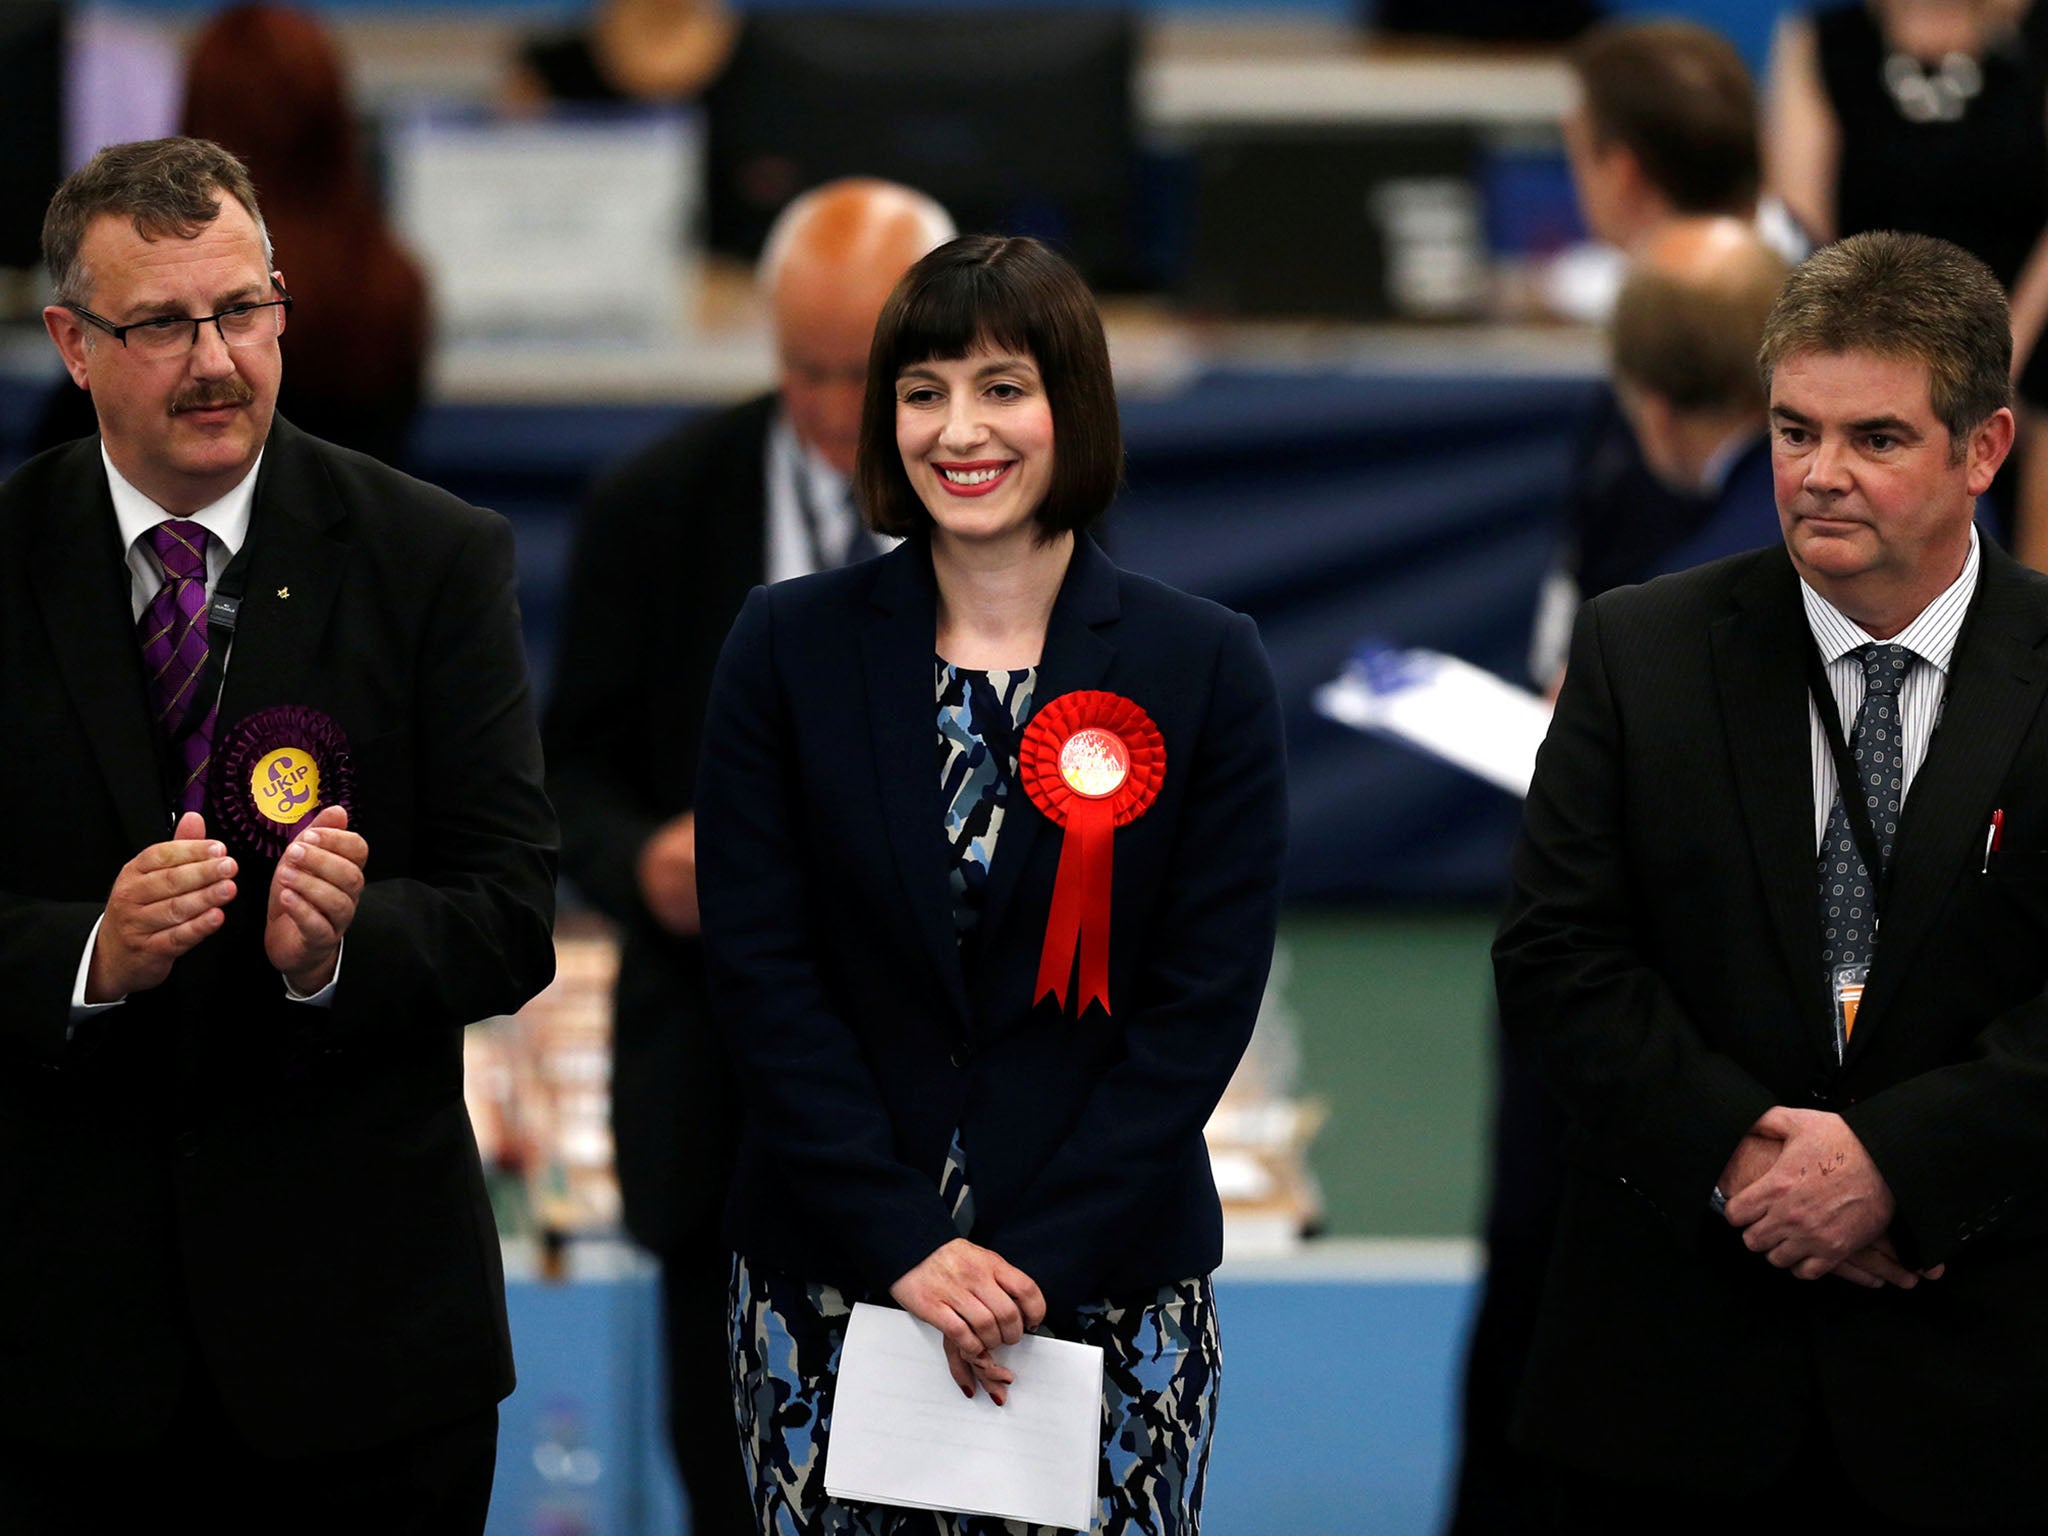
285	785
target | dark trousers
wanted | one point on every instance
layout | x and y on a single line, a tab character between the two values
1500	1490
702	1428
203	1475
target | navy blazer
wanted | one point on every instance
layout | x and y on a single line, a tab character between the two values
865	1033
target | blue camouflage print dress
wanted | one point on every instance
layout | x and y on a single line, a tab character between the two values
1160	1352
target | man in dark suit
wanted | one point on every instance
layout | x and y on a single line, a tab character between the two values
666	551
1824	1014
1663	128
277	833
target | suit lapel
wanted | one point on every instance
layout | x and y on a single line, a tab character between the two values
1995	684
297	556
82	588
897	659
1760	677
1075	658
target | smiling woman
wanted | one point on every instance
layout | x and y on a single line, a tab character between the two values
981	1031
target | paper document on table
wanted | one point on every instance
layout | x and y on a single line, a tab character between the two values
903	1434
1447	707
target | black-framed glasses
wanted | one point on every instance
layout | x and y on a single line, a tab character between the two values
240	325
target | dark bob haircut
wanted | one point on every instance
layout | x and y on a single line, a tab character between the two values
1010	294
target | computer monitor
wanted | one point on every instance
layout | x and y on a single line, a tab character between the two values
1019	120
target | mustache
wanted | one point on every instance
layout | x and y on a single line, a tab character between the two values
234	390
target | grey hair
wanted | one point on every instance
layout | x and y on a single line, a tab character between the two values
164	186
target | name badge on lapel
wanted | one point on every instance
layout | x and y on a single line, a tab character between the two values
1847	995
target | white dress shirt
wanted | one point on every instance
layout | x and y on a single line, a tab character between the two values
810	508
1931	637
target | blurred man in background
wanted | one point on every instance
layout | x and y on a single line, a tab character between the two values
666	551
1663	133
1683	346
1665	127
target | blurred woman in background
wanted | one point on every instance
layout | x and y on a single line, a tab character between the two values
265	82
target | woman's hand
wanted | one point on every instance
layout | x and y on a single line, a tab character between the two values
979	1301
969	1369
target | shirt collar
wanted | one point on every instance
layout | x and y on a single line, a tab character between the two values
1721	462
828	488
226	519
1931	636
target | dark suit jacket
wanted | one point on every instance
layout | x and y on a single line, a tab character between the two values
865	1034
1662	953
292	1192
667	549
1743	515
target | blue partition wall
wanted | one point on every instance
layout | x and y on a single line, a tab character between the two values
1335	1416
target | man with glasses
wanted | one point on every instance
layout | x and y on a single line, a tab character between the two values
276	834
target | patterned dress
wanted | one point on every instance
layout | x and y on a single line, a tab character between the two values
1160	1352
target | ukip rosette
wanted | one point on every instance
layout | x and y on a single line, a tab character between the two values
1091	761
274	770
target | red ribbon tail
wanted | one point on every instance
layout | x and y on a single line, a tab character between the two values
1097	840
1063	922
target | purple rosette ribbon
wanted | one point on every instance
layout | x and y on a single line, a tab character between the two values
274	771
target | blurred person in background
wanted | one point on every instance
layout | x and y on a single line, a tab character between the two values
1663	134
266	83
1922	115
667	548
1665	127
1682	348
631	50
937	1112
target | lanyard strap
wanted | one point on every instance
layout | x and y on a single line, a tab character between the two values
1848	776
814	516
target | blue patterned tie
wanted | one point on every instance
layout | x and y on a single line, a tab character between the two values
1848	890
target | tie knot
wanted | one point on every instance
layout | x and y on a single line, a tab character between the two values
1885	667
180	545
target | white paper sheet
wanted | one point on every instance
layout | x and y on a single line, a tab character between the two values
1448	708
903	1434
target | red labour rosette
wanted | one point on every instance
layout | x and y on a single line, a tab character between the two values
1091	761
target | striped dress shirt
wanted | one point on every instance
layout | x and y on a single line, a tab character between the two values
1931	637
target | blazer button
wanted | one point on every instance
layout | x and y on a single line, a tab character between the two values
188	1143
959	1056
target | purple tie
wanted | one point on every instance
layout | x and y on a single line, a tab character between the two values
174	652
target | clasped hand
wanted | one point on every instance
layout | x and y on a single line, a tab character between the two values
980	1302
1807	1196
172	895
